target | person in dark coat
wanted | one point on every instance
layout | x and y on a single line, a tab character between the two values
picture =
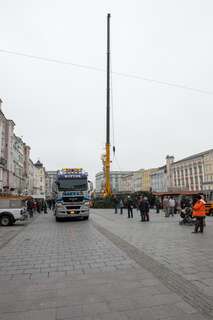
141	208
30	207
53	204
49	202
129	204
157	204
115	203
38	206
144	209
45	206
121	205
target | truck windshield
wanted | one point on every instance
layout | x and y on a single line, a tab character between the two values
72	184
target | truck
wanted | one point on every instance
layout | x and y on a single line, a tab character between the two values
12	209
72	194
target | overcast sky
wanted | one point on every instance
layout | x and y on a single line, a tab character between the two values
60	109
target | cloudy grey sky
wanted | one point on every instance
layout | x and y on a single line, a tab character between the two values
60	109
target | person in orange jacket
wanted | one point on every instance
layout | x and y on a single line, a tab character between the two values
199	211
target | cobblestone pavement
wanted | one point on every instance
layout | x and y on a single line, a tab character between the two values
8	233
173	246
79	270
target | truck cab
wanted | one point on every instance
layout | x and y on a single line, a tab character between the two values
72	195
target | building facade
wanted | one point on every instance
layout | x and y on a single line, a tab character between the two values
208	172
187	174
30	181
127	183
39	184
146	179
138	180
116	178
50	180
159	180
6	152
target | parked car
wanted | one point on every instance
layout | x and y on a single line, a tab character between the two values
12	210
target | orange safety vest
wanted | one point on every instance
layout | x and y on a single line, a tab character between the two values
199	209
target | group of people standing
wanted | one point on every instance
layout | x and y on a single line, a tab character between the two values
39	205
141	204
169	206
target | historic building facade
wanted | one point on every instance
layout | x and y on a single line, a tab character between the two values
39	185
159	180
21	157
188	173
50	180
6	152
116	179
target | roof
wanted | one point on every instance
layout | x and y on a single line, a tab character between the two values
38	164
176	193
195	156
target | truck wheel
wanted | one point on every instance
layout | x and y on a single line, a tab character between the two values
86	218
57	219
5	220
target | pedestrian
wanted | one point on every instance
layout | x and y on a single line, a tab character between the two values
45	206
53	204
199	211
171	205
144	209
30	207
115	203
129	204
121	205
38	206
141	208
49	202
178	206
157	205
34	206
166	206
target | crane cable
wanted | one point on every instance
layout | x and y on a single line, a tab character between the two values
113	118
112	108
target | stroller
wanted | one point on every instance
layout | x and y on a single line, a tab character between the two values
186	215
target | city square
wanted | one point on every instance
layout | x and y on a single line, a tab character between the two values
106	160
109	267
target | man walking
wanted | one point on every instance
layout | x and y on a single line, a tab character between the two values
199	211
30	207
129	205
171	206
115	203
121	205
141	208
166	206
145	209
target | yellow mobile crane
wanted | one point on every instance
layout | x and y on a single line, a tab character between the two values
107	159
